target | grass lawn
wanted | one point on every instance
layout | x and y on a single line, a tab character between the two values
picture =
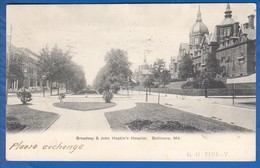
20	118
158	118
84	106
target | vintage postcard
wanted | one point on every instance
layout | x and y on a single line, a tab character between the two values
131	82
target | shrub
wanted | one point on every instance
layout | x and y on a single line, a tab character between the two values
191	85
84	91
61	96
100	90
177	80
14	126
92	91
107	96
24	95
216	84
196	84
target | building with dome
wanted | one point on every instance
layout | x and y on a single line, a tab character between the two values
198	32
233	45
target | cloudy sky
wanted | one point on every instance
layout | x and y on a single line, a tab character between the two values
92	30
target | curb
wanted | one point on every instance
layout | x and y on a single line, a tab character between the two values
50	124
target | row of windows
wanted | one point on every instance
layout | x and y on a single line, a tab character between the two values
194	40
236	51
232	69
225	32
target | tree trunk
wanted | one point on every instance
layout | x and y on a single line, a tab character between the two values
58	88
50	87
206	92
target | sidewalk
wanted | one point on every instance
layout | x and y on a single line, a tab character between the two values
206	107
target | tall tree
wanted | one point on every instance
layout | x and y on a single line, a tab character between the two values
160	73
57	66
118	66
212	67
100	78
116	71
158	67
166	77
186	68
46	65
77	80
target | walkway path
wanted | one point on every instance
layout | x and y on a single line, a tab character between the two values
95	120
74	120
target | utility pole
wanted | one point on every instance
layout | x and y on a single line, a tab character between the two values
146	94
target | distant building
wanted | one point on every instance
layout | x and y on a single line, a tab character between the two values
143	71
197	34
233	45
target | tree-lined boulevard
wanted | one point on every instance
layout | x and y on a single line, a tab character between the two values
111	104
217	113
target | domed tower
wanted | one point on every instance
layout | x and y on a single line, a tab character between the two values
228	16
227	28
197	32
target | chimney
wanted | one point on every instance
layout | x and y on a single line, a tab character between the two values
251	20
246	25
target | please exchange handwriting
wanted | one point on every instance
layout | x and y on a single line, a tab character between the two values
59	146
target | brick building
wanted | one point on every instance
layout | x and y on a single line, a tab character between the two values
236	46
233	45
27	59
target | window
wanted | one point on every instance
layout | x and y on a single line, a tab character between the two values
222	59
221	32
228	31
233	65
196	40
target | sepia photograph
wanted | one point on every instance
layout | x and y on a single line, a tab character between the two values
149	82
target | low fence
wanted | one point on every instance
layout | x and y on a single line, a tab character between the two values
201	92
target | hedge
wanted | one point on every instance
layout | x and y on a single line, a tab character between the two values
201	92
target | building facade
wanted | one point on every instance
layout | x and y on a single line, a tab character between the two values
233	45
22	62
236	46
143	71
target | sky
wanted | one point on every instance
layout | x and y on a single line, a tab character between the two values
90	31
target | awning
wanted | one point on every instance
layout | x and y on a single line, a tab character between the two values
245	79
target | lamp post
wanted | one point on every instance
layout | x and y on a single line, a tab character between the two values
43	85
25	75
159	94
159	91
